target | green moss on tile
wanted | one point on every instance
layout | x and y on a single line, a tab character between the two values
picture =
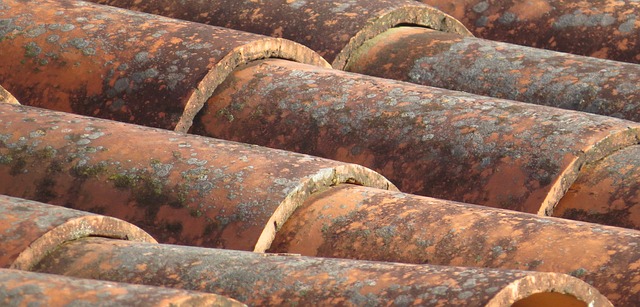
88	171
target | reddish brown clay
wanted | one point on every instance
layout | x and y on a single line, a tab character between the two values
289	279
606	191
112	63
439	58
19	288
428	141
6	97
334	29
502	70
180	188
363	223
598	28
29	230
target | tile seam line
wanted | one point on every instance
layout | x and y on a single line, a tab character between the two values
77	228
319	182
409	15
253	51
617	140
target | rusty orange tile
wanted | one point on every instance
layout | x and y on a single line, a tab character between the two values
484	67
112	63
441	58
427	141
606	191
29	230
271	279
603	29
180	188
20	288
332	28
362	223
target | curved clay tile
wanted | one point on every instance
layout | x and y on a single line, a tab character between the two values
362	223
271	279
428	141
29	230
484	67
605	192
603	29
67	250
112	63
408	50
20	288
180	188
564	81
334	29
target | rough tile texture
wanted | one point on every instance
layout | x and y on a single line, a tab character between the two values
29	230
180	188
332	28
502	70
112	63
428	141
598	28
362	223
19	288
267	279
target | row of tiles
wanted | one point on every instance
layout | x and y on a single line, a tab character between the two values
610	144
185	76
191	190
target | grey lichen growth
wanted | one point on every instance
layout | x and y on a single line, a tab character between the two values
32	50
578	19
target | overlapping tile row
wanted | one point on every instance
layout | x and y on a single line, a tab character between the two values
112	63
271	279
20	288
334	29
603	29
97	180
199	191
455	139
447	58
484	67
363	223
241	195
180	188
427	141
29	230
423	142
256	279
607	183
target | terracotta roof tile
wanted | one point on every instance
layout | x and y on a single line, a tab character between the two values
497	69
427	141
87	246
604	29
363	223
30	230
134	67
334	29
180	188
21	288
268	279
418	55
123	65
448	58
